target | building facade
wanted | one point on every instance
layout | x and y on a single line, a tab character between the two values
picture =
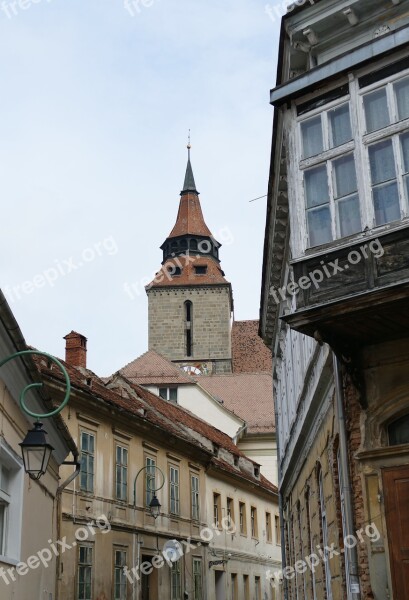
335	294
28	509
135	446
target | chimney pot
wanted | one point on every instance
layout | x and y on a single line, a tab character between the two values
76	350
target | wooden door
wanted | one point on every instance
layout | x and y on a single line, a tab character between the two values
396	494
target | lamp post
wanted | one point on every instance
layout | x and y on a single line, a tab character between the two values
154	504
35	449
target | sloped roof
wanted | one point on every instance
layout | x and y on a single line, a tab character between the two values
249	353
142	404
188	276
248	395
153	368
190	220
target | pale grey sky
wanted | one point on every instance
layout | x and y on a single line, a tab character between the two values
97	104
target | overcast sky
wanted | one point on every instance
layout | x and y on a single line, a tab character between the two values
96	106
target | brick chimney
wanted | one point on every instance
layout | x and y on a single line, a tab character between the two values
76	349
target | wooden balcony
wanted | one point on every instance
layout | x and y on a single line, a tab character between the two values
362	303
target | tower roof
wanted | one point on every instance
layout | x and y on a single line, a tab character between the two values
189	184
190	219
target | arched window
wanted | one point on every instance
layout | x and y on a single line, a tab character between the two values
188	327
398	431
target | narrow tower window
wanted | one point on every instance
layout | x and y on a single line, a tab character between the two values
188	327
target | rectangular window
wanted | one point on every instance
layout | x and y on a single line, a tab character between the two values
230	512
169	393
277	529
4	506
11	504
195	497
85	573
87	462
174	490
175	581
120	581
216	510
233	586
384	182
246	586
269	532
253	519
150	479
257	588
121	473
197	579
243	518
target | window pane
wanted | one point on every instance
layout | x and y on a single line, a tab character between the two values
382	162
316	187
386	202
348	215
312	137
340	125
173	394
163	393
376	110
319	226
404	140
344	176
2	528
399	431
402	98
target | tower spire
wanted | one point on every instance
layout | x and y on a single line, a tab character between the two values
189	183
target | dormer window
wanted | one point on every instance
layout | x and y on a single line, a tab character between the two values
174	271
200	269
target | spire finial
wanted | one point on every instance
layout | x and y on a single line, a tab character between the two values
188	145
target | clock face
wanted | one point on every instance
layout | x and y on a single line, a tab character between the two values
192	370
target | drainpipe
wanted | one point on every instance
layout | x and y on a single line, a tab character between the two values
280	503
345	485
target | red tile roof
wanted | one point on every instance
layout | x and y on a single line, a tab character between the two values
249	353
190	217
248	395
143	405
188	276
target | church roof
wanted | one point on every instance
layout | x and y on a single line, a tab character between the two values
248	395
168	276
190	219
249	353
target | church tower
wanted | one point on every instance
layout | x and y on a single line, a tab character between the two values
190	301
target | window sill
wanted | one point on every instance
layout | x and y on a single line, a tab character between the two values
8	561
362	237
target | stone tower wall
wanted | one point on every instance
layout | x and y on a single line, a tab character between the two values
211	324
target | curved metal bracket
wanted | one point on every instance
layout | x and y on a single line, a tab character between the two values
36	385
147	483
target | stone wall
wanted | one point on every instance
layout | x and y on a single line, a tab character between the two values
211	324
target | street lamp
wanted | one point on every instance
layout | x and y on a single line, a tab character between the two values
35	449
154	505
